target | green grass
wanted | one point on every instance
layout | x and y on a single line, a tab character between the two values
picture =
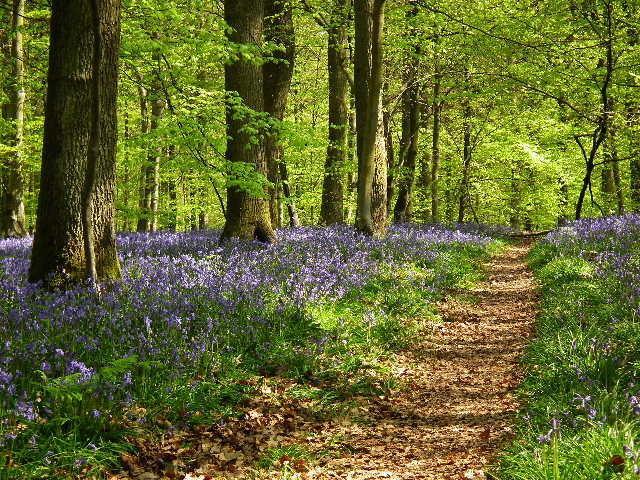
581	375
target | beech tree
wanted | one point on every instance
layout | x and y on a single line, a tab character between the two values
338	67
75	237
372	178
278	71
247	213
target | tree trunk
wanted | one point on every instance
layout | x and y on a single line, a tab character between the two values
278	72
435	146
150	192
12	221
608	182
338	63
425	188
172	193
618	188
410	129
369	21
390	152
75	237
379	201
463	197
144	206
248	216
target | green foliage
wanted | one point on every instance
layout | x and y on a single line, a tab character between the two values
580	420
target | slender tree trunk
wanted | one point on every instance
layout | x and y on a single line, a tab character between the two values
172	224
617	182
463	197
144	204
391	166
425	188
410	128
467	150
600	132
435	146
369	21
150	191
379	200
158	106
75	234
608	182
248	216
634	165
338	64
12	221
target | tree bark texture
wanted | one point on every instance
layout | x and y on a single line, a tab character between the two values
75	237
248	216
278	72
369	21
338	63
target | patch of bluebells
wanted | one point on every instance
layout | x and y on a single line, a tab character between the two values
612	244
184	298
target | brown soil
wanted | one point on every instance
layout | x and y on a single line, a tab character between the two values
450	420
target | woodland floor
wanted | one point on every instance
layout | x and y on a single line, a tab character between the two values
453	410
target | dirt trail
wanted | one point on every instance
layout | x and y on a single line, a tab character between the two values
460	405
447	422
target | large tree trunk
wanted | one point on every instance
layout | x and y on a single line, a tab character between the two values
75	236
332	209
278	73
12	220
410	129
247	215
369	21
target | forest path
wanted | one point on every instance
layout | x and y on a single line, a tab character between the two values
453	409
460	405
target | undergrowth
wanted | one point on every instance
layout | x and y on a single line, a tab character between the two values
332	350
581	393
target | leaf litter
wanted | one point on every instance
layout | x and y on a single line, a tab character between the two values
452	411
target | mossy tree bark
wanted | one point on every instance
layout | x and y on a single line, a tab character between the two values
75	237
248	215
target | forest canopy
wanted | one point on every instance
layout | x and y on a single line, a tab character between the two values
491	112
